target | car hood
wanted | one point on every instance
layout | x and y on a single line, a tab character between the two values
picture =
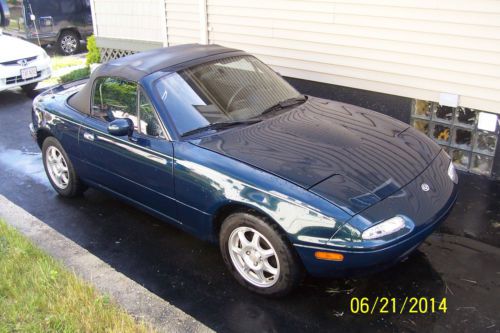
351	156
16	48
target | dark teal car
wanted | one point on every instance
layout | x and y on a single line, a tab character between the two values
212	140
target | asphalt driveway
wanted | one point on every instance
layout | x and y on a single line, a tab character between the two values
462	263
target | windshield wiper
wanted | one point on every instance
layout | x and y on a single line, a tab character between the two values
286	103
220	125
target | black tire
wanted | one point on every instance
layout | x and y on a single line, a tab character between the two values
74	187
290	266
68	42
29	88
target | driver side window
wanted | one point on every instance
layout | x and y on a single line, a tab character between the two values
114	98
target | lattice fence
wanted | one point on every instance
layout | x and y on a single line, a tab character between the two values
108	54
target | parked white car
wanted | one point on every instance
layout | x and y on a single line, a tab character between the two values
22	64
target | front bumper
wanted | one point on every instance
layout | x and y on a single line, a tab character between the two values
426	209
10	75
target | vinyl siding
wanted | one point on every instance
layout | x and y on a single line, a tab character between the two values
415	49
183	21
128	19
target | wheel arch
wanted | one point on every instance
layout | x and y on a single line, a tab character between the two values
41	135
230	208
73	29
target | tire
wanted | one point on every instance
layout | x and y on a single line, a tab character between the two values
68	43
68	185
274	276
28	88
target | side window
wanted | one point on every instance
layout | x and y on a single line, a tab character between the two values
114	98
150	125
68	6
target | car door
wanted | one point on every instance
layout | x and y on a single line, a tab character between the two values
138	167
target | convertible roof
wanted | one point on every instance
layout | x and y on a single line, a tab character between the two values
139	65
136	66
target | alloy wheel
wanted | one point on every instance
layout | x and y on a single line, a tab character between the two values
69	44
57	167
254	257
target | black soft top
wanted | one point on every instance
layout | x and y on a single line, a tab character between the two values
139	65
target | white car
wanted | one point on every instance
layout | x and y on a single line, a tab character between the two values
22	64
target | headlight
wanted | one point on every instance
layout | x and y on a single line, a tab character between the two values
385	228
452	173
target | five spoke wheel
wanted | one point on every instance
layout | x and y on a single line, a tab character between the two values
254	257
259	255
60	170
57	167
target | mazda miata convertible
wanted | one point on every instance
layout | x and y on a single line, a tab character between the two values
213	141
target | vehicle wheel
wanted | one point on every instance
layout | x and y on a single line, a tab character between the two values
60	170
28	88
69	42
259	255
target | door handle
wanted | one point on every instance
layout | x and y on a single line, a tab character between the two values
88	136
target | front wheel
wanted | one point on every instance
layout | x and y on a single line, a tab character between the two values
60	170
258	255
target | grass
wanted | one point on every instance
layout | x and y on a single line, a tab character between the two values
51	81
59	62
37	294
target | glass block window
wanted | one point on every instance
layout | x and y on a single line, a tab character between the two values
456	130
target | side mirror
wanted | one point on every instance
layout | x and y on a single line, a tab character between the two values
121	127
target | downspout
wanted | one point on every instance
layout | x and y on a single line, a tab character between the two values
203	21
94	18
163	22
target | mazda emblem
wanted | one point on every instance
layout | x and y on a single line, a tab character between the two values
425	187
22	62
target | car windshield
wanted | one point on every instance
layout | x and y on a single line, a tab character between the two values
233	89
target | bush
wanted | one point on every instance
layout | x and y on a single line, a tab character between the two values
77	74
93	56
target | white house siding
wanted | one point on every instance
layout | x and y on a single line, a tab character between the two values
183	21
416	49
129	19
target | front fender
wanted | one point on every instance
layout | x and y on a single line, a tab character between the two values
206	181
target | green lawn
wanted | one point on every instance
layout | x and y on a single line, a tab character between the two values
59	62
37	294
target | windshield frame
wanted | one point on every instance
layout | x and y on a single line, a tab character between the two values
174	70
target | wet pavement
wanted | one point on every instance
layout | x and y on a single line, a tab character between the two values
461	263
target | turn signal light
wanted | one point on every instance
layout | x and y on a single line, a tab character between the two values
333	256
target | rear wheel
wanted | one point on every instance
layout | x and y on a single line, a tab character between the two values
60	170
258	255
69	42
28	88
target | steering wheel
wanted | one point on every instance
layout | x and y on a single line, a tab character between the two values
236	94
